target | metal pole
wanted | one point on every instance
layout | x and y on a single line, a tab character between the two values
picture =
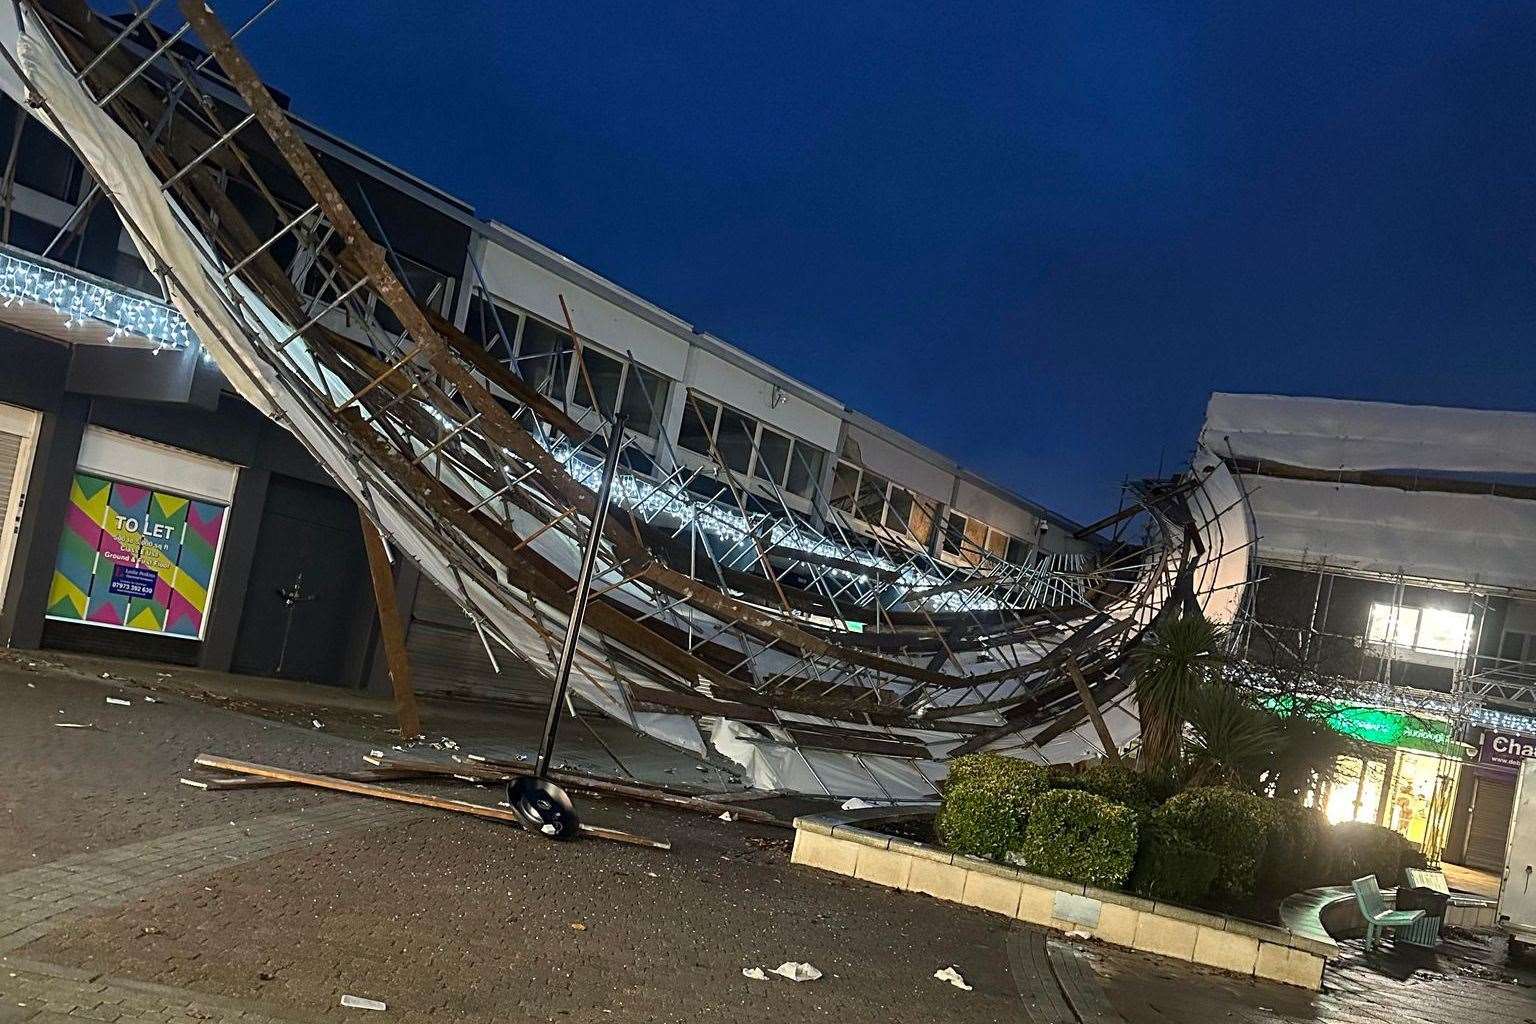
583	592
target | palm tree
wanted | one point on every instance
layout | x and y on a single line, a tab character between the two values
1232	741
1174	660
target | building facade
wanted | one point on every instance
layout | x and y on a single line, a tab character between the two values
1396	563
123	455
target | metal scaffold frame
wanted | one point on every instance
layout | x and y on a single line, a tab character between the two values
718	608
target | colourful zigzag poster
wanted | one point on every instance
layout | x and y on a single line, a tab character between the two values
135	558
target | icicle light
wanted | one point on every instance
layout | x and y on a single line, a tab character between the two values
81	301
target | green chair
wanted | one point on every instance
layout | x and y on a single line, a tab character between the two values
1374	909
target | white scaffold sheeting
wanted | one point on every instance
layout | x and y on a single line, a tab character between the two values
1330	433
1463	537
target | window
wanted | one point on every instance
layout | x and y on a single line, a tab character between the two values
750	448
1424	630
869	498
491	323
541	355
1517	646
969	541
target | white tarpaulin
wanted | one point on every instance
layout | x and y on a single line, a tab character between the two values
1462	537
1426	533
1331	433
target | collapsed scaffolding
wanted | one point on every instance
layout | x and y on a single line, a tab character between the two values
821	659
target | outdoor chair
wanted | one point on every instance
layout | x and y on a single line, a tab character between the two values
1374	909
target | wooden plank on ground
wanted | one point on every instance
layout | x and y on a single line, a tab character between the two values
500	772
257	782
229	764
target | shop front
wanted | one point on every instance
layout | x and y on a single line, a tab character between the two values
1404	775
1488	798
140	546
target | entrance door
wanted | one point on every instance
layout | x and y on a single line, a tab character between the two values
18	435
308	585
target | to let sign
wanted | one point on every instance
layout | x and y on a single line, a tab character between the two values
1503	751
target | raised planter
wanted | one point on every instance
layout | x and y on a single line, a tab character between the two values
839	842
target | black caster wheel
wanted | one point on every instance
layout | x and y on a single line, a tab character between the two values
543	807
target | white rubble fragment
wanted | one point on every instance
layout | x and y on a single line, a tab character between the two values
548	829
120	702
954	977
73	725
755	973
361	1003
857	803
727	816
375	753
151	700
317	723
796	971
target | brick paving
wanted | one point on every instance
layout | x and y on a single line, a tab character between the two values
147	902
37	900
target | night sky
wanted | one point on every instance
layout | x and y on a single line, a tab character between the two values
1034	239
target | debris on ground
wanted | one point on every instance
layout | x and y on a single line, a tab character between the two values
317	723
74	725
954	977
796	971
120	702
755	973
577	926
727	816
361	1003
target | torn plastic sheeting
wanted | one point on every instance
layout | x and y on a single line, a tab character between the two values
796	971
952	976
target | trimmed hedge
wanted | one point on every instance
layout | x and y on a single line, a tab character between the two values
1117	783
1227	823
987	800
1356	849
1079	837
1167	868
1296	853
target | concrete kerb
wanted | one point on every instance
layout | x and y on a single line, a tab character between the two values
840	842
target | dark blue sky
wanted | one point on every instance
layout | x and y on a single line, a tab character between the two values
1035	239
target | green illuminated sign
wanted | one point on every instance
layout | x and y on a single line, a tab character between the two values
1388	728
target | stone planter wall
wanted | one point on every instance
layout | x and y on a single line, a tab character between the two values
836	842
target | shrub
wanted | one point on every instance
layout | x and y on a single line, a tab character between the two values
1296	849
1167	868
1079	837
1356	849
1117	783
1227	823
986	801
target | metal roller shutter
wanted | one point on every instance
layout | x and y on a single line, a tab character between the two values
1493	801
447	657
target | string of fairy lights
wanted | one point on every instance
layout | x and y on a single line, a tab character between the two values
84	301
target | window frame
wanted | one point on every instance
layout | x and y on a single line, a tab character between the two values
750	474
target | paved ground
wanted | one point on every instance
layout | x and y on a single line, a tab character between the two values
127	897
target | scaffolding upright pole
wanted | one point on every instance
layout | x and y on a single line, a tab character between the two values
583	593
